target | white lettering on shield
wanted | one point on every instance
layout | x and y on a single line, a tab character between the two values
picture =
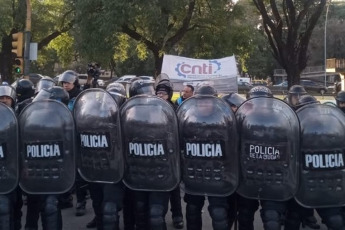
93	141
146	149
43	151
204	150
264	152
320	161
2	155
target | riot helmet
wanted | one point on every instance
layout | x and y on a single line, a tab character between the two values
306	100
118	92
139	87
44	83
165	87
161	77
234	99
259	91
24	89
340	99
56	93
206	90
7	95
69	76
295	92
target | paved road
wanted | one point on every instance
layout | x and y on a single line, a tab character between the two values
71	222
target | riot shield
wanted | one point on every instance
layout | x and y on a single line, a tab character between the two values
47	148
269	147
209	146
9	167
322	167
99	154
151	148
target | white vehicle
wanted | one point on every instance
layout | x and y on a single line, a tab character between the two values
243	79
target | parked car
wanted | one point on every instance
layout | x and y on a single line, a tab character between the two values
312	86
282	84
244	86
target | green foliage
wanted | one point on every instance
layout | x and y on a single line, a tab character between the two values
63	45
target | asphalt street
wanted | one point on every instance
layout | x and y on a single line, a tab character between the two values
72	222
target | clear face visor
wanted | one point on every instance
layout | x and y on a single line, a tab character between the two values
67	78
294	98
8	91
42	95
44	84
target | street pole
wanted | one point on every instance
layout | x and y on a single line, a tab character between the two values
27	37
325	43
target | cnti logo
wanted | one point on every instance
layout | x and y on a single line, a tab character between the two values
210	67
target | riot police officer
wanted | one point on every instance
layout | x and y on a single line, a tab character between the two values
164	90
327	160
150	196
10	202
264	139
47	205
241	209
70	82
295	92
296	215
25	91
200	120
340	99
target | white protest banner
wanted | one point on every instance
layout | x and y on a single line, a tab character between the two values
220	73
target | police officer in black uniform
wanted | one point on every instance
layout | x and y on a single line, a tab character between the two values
47	205
241	209
327	202
164	90
113	194
11	203
218	205
340	100
150	206
70	82
296	215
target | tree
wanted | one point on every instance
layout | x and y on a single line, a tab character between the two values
288	25
159	25
50	19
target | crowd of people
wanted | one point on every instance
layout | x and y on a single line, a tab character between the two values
200	123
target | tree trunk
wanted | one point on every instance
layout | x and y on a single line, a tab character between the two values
6	59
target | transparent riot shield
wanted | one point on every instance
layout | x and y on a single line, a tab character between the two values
269	137
322	166
9	161
99	154
47	148
150	136
209	146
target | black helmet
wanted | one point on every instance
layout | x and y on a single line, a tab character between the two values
139	86
295	92
118	92
297	89
340	97
161	77
306	100
206	90
45	83
56	92
259	91
9	91
69	76
24	89
234	99
166	86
